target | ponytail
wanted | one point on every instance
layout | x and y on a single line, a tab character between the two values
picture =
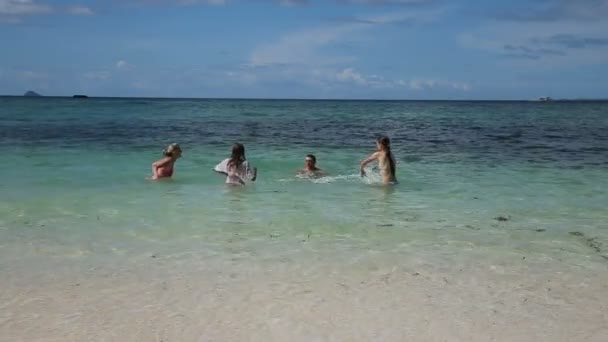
385	142
238	155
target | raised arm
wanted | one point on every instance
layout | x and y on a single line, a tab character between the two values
222	167
158	164
371	158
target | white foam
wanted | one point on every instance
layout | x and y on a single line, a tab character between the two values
331	179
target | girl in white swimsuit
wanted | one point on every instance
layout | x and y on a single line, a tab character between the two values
236	168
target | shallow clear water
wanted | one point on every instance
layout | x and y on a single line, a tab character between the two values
460	164
74	182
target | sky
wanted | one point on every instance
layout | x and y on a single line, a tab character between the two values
336	49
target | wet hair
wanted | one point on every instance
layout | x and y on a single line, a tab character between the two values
171	149
238	155
385	142
312	157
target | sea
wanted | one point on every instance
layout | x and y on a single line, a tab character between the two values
495	200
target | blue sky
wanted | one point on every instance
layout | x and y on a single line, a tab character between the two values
399	49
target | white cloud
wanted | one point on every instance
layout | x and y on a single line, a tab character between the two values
422	84
303	47
541	43
329	77
557	10
244	80
385	2
291	3
122	65
279	2
349	75
13	11
80	10
460	86
178	2
302	57
22	7
354	77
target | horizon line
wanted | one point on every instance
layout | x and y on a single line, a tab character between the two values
296	99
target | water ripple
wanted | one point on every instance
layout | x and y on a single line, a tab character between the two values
490	131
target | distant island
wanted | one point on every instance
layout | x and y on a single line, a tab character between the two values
31	93
80	96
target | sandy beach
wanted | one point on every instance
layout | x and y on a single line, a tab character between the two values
305	294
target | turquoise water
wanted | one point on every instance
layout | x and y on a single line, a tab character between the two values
74	176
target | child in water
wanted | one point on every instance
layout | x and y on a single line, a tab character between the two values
164	168
236	168
386	161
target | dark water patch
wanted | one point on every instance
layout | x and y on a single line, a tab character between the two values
488	133
138	103
592	242
535	147
552	136
411	159
593	149
565	150
439	141
516	142
575	167
255	114
503	137
503	218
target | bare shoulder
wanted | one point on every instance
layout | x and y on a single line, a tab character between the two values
375	155
162	161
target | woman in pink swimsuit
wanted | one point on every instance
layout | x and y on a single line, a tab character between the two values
164	168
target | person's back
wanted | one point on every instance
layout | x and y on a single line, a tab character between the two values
238	173
386	163
385	159
236	168
164	168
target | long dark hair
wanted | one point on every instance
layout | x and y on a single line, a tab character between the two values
385	142
238	155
